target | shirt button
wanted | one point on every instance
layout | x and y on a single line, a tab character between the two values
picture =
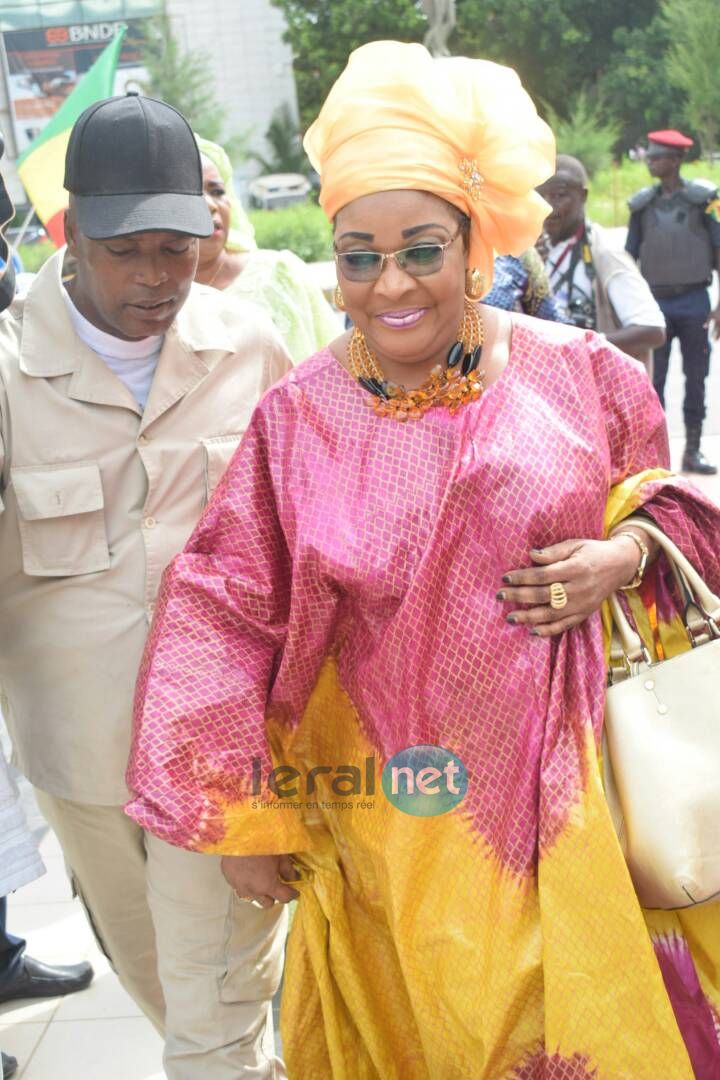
143	440
149	522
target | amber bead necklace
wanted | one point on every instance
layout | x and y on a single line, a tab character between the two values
451	387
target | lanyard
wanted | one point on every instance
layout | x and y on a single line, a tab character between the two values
566	250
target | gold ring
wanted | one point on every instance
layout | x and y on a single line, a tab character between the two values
558	596
253	900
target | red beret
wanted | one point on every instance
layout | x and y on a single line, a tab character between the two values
672	138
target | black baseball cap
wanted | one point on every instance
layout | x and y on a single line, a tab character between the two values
132	164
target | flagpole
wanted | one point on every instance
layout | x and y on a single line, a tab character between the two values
23	229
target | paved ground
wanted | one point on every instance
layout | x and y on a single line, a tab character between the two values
711	430
99	1034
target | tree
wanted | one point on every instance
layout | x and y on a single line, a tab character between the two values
587	134
183	80
557	46
635	86
612	50
283	138
322	33
694	31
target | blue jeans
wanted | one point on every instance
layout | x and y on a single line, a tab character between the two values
11	948
685	317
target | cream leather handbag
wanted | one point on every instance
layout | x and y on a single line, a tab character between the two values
661	749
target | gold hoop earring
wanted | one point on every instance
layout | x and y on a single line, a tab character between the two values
474	285
339	299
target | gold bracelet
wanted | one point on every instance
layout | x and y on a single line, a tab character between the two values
644	556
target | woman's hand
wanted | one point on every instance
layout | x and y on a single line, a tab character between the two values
257	877
589	571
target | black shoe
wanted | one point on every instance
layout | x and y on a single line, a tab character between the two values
37	980
9	1066
695	461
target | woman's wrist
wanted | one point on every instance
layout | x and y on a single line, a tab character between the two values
627	558
642	551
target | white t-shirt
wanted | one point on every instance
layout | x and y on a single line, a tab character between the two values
628	292
133	362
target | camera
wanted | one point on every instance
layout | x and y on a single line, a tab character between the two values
582	312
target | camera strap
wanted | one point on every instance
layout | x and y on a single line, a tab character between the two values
579	248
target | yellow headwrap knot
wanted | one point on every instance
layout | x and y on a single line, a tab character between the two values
462	129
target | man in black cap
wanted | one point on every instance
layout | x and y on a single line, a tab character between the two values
674	233
122	398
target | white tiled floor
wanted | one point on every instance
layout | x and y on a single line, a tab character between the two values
97	1034
116	1049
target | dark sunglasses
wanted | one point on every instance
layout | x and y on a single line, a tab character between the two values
418	260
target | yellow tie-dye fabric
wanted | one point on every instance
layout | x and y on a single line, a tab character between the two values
415	955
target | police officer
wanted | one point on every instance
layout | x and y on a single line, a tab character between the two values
674	233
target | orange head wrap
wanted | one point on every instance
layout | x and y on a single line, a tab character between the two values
462	129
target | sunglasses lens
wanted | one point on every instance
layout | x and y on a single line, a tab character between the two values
422	259
366	265
360	265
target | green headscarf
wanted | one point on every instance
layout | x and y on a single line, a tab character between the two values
241	236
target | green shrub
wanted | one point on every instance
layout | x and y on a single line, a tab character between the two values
302	228
585	134
285	141
35	255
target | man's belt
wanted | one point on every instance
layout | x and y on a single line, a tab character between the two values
664	292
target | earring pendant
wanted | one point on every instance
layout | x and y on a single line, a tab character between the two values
474	284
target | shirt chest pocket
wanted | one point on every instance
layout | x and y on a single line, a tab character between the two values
218	451
61	519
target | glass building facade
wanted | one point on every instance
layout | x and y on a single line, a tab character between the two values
37	14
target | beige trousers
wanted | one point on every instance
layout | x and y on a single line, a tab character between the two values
201	964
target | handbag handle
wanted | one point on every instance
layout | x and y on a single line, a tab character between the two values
691	585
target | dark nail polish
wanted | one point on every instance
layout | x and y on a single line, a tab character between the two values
506	579
499	595
511	619
535	633
537	551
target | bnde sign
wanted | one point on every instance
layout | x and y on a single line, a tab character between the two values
105	31
424	780
83	33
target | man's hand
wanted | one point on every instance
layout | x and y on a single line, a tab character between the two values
257	877
589	571
714	323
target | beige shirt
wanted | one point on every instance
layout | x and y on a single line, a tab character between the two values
612	265
97	497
